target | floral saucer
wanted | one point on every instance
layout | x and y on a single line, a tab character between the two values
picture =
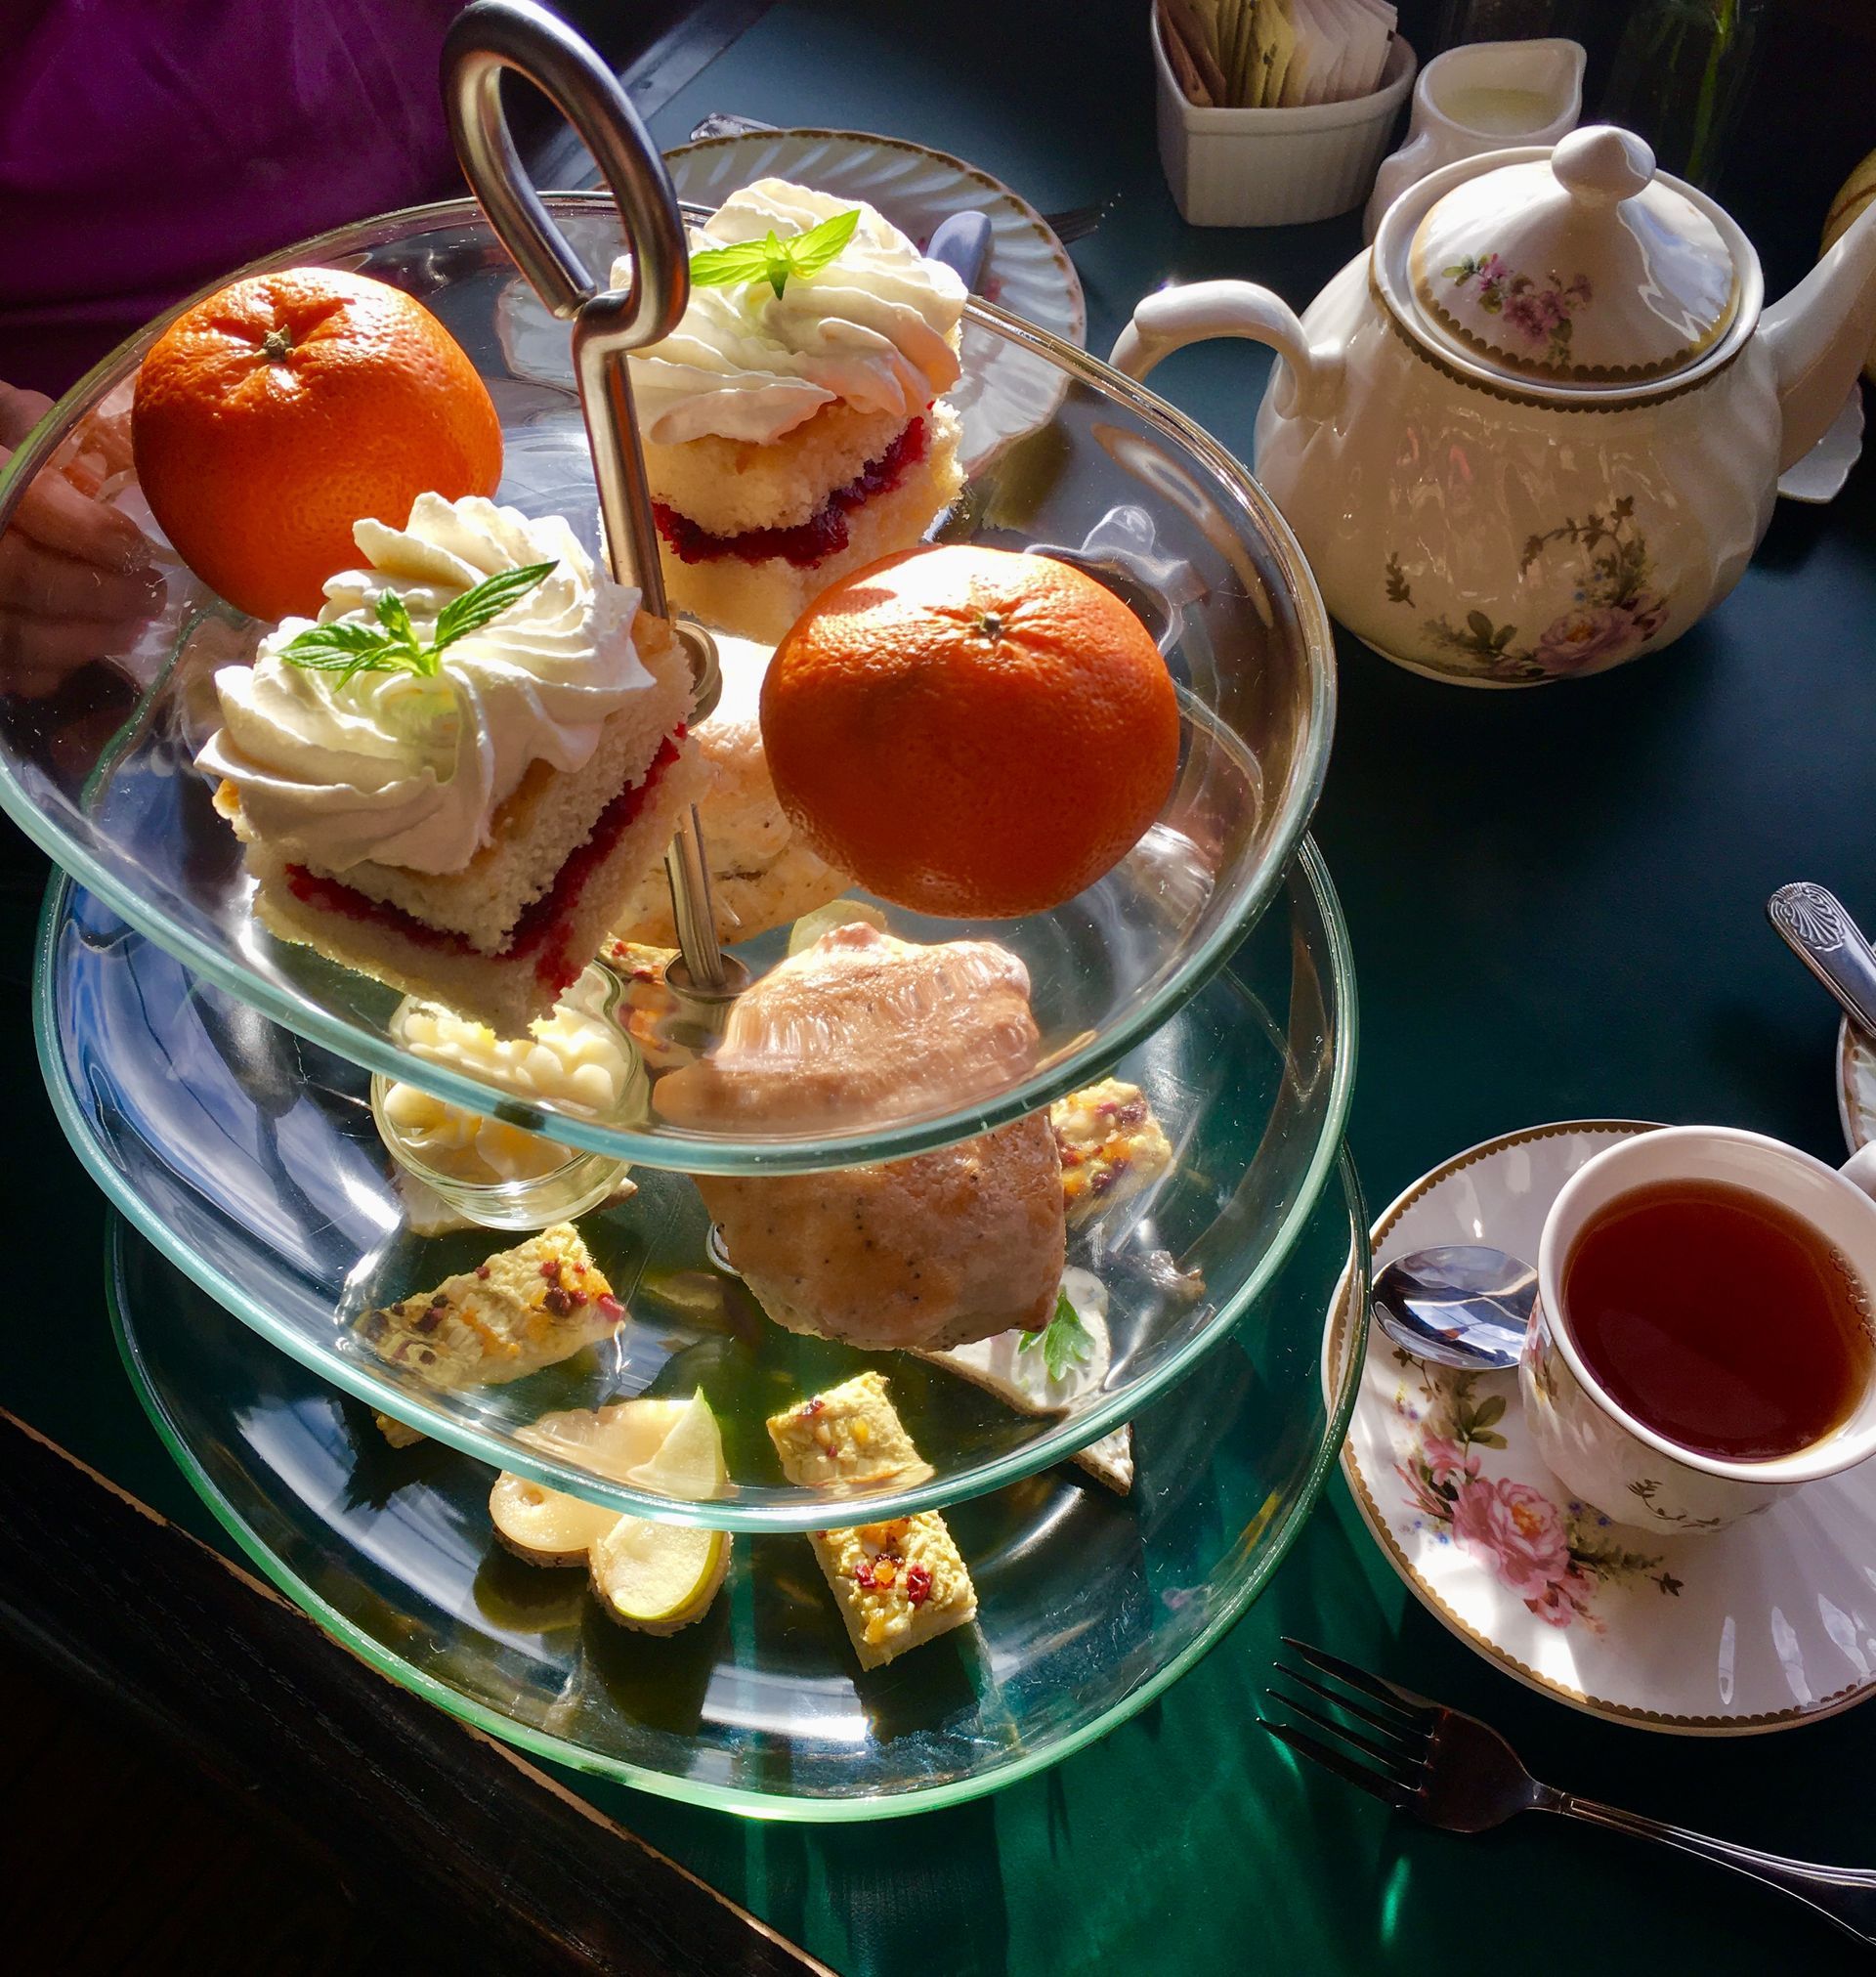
1770	1623
1855	1084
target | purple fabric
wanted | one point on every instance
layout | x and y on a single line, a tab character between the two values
148	147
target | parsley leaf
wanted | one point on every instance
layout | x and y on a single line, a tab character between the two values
1065	1343
774	260
392	645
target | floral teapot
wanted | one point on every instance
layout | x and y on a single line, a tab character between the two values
1537	429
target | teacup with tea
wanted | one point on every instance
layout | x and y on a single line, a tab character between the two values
1705	1336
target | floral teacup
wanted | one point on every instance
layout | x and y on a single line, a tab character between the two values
1602	1452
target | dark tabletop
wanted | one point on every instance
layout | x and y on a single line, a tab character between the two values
1557	902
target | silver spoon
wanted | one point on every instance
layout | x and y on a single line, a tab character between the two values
1824	937
1461	1305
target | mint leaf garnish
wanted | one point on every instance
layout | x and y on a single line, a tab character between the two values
1066	1342
811	251
488	600
396	620
392	645
774	260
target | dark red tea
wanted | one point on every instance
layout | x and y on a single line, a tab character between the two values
1718	1318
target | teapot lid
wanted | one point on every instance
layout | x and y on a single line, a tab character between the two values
1579	267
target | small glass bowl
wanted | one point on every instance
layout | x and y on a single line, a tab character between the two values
568	1181
577	1181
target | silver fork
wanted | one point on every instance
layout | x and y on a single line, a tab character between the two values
1453	1772
1074	223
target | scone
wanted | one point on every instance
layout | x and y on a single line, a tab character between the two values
931	1251
465	825
761	873
792	438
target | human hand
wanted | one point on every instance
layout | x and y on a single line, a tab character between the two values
77	579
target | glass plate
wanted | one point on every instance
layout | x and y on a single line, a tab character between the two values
100	723
1090	1605
248	1156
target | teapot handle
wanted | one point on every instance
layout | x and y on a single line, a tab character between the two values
1172	318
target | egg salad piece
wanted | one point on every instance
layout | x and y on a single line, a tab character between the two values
899	1582
849	1436
515	1312
1111	1147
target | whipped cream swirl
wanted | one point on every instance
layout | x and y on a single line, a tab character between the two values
410	772
876	328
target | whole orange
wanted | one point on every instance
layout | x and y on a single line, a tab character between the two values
970	731
272	416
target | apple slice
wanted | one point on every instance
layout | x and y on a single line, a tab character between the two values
546	1527
688	1461
616	1440
553	1527
658	1578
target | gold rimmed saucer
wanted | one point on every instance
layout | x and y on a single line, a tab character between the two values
1767	1624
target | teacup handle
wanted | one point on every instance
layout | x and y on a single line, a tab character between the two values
1861	1169
1172	318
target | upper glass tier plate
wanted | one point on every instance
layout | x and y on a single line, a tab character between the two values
99	720
249	1158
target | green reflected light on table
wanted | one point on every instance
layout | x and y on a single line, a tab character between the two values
1556	904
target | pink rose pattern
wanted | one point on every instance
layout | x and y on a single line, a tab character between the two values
1541	315
1613	610
1553	1558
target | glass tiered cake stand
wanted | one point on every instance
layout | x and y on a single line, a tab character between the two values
216	1085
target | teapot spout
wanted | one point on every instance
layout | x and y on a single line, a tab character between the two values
1819	336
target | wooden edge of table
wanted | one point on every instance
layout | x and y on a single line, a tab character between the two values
418	1811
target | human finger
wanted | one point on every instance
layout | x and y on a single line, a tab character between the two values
41	582
37	655
53	513
20	411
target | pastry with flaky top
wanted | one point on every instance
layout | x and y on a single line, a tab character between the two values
931	1251
762	875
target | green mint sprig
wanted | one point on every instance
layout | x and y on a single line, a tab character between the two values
392	645
1065	1342
774	260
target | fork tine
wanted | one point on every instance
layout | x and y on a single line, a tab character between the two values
1392	1726
1076	222
1402	1768
1345	1767
1391	1694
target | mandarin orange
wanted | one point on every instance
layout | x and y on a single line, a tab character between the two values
970	732
285	408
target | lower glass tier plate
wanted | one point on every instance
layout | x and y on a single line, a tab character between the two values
250	1157
1089	1603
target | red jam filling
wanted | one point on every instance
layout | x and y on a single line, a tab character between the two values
542	930
808	543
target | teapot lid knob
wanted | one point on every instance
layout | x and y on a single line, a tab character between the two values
1580	266
1601	165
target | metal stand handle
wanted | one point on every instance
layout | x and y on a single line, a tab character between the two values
482	40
